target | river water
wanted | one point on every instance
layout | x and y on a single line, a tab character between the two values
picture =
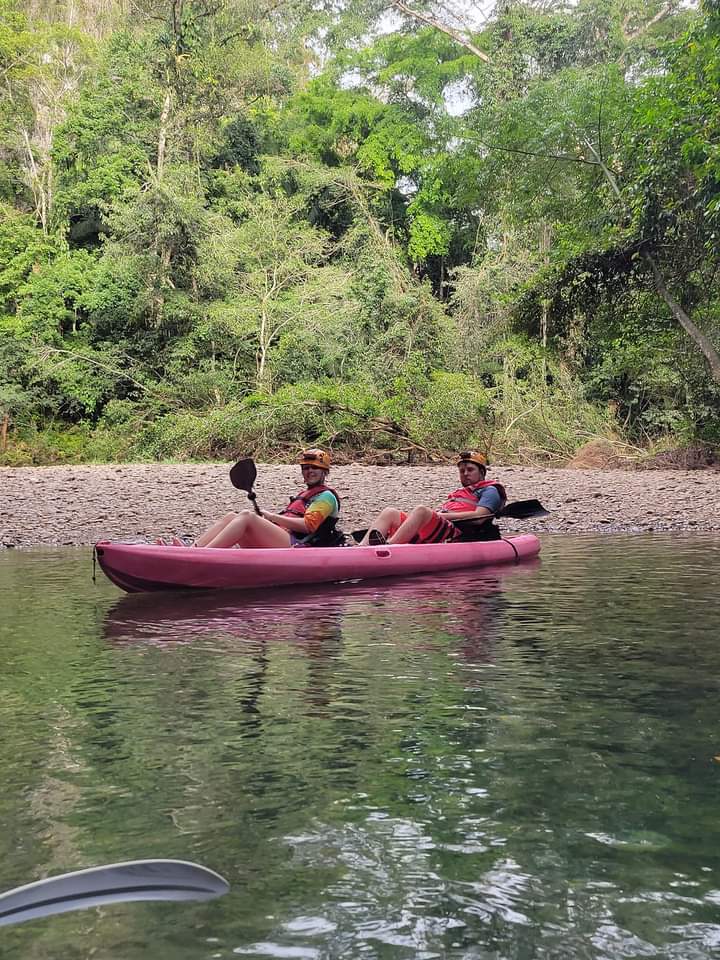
520	762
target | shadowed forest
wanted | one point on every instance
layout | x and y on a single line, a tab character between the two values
393	228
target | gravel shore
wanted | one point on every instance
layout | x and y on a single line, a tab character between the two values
83	504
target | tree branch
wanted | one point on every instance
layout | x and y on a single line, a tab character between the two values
701	341
693	331
529	153
663	12
46	350
448	31
245	32
607	172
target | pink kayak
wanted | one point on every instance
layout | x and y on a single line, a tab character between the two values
137	567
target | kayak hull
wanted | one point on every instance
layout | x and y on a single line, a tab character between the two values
143	567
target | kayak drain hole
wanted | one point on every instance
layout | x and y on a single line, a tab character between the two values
382	553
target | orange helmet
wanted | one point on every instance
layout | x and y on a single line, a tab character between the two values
473	456
315	458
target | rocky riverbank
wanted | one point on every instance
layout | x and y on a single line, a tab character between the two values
79	505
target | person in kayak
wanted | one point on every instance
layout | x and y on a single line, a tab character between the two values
475	503
308	520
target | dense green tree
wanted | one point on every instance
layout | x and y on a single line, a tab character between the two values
376	224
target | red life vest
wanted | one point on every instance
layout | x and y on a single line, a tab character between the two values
299	503
464	499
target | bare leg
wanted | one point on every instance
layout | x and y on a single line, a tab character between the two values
249	530
416	520
206	538
389	517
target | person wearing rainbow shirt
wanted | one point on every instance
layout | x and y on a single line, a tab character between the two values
308	520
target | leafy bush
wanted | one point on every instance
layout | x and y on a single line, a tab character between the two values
453	412
53	444
539	409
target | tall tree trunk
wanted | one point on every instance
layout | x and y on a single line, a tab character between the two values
162	133
545	240
693	331
37	185
264	338
261	379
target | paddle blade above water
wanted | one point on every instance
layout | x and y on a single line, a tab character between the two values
244	474
524	510
112	883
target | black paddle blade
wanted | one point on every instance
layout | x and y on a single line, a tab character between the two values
524	510
357	536
243	475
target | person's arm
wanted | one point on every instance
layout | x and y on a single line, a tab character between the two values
482	513
287	522
489	503
321	507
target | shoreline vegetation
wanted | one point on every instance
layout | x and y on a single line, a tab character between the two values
78	505
369	226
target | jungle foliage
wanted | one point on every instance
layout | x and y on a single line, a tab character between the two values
379	226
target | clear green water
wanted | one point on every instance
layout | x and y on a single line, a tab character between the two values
513	763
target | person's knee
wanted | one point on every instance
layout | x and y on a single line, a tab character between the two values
239	522
252	519
421	514
389	514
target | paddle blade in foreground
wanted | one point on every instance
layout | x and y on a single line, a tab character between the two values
112	883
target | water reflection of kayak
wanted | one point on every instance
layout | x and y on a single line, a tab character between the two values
141	567
302	614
